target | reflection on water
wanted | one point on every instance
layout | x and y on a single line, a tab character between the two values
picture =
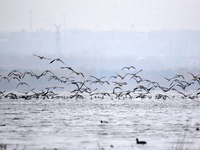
76	124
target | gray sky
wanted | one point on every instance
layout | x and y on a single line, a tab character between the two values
140	15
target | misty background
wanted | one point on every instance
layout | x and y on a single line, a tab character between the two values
100	38
156	50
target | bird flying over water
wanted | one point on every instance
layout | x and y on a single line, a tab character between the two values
5	78
57	59
73	71
168	79
42	57
120	83
54	87
98	80
128	67
22	83
78	73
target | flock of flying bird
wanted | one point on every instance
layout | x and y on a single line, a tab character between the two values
88	86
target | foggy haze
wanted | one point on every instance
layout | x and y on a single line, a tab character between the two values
99	74
100	35
155	50
104	15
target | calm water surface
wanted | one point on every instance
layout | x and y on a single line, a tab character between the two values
75	124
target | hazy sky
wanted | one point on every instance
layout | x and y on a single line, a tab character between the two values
140	15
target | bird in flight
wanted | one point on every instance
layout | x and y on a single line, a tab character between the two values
77	73
98	80
42	57
5	78
57	59
168	79
69	68
128	68
54	87
22	83
119	83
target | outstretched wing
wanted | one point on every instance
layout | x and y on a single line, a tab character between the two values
52	61
61	61
22	83
37	55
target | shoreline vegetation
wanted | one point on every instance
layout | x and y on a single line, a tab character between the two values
182	142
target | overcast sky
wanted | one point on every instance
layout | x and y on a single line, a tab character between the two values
139	15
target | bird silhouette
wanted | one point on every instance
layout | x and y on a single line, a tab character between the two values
168	79
54	87
134	74
98	80
128	68
5	78
103	121
15	73
78	73
57	59
120	83
22	83
140	142
15	78
73	71
179	75
165	89
42	57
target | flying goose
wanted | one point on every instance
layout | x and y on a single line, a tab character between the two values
42	57
57	59
128	68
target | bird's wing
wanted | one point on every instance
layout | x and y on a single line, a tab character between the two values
82	74
61	61
36	55
123	68
132	67
52	61
94	77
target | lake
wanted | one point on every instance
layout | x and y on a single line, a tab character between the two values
76	124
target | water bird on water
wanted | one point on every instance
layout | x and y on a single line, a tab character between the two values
140	142
103	121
